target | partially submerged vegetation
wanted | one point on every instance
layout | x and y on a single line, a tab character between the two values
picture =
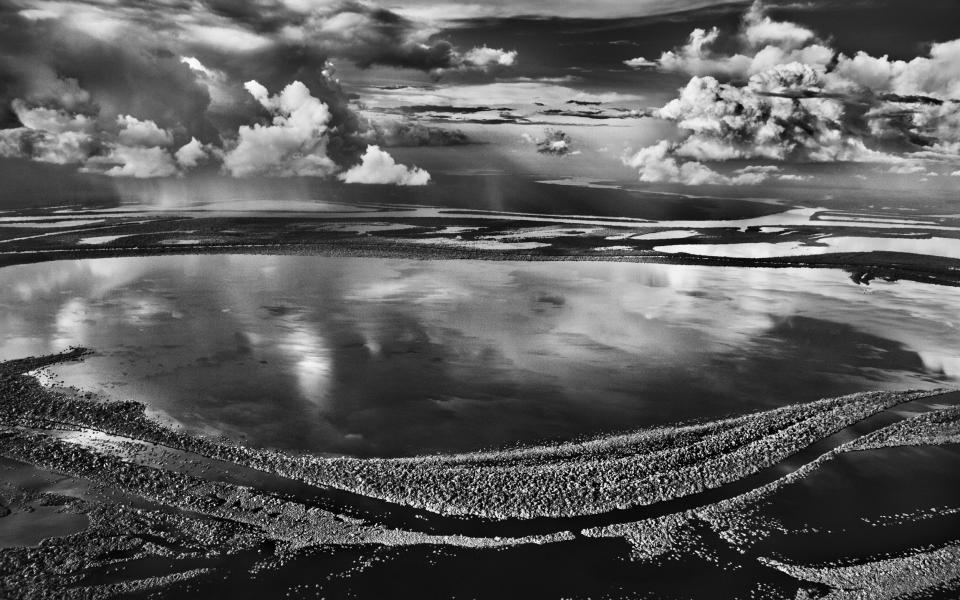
155	492
926	571
601	475
936	427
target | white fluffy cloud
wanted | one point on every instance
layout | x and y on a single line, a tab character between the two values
759	31
52	120
641	62
134	132
786	95
554	141
159	74
656	164
140	162
936	75
765	43
54	134
139	150
763	119
191	154
69	147
659	164
378	166
484	56
49	134
920	97
295	143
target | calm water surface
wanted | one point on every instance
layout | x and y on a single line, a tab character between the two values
398	357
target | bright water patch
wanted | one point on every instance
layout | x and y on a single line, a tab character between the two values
398	357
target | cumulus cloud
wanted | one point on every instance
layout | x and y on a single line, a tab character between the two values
786	95
131	147
191	154
936	75
640	62
53	120
763	119
378	167
554	141
656	164
484	56
140	162
294	143
58	148
720	121
56	133
759	31
764	43
134	132
139	149
659	164
48	134
161	75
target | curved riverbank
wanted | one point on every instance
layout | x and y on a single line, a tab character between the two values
535	491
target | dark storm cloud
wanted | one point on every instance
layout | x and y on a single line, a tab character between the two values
82	81
364	34
46	63
420	109
407	133
598	114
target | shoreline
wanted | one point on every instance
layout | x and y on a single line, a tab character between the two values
291	505
861	267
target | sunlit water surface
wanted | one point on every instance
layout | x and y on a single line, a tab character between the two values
399	357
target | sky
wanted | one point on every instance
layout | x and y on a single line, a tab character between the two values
101	97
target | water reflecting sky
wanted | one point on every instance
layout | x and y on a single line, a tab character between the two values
395	357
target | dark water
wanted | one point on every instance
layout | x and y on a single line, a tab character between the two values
583	568
31	526
876	503
395	357
502	191
33	522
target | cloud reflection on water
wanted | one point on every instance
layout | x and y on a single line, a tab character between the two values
373	356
